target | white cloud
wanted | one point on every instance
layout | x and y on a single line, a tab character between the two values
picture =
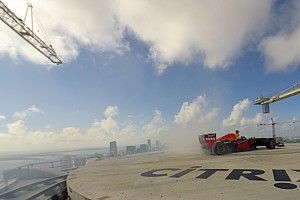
211	32
19	138
110	129
111	111
2	117
156	126
239	121
190	111
108	126
100	133
259	117
25	113
236	114
17	127
282	50
211	115
180	31
194	119
70	25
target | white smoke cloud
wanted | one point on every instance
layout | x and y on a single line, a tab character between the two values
210	116
190	111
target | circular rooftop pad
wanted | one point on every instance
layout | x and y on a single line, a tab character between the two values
261	174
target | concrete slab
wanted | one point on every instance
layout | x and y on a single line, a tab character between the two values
260	174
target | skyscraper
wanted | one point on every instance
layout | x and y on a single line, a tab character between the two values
149	144
113	148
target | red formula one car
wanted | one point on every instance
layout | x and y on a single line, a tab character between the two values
232	142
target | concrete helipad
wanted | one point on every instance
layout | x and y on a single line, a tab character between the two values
260	174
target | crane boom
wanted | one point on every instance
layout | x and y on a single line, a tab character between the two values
265	101
18	26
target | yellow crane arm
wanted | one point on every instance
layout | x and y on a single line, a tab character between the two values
265	101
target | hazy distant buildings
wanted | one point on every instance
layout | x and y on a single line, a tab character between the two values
143	148
292	139
113	148
130	150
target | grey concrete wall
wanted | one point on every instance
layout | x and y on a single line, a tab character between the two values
75	195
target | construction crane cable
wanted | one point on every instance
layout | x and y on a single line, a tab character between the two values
31	16
19	27
26	14
43	31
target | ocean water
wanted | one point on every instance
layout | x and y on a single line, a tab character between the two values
11	161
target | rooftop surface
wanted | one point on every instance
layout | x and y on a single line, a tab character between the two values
261	174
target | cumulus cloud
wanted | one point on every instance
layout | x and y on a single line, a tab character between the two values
25	113
108	125
156	126
259	117
282	49
193	119
211	32
99	133
17	127
237	118
179	31
2	117
189	111
110	129
19	138
70	25
236	114
111	111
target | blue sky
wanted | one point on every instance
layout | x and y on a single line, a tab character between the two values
78	92
137	81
